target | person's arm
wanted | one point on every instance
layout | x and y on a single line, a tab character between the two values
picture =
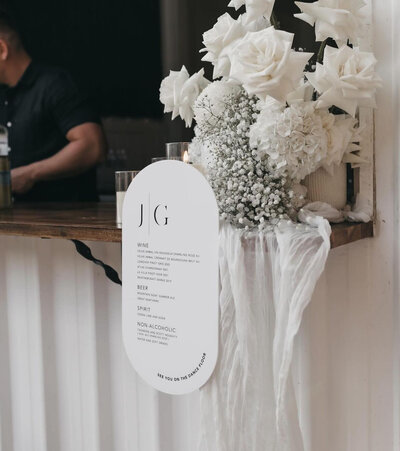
86	148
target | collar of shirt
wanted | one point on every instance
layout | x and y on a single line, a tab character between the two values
29	76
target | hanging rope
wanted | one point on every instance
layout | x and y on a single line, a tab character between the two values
85	251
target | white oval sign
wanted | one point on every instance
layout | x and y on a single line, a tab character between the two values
170	277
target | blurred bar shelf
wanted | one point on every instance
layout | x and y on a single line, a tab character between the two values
96	222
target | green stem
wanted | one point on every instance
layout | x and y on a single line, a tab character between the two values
274	21
320	56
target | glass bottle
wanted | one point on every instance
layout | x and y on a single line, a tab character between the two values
5	177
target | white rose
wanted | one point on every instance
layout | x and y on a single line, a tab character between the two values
265	64
255	8
253	25
303	93
345	138
341	130
218	42
354	151
347	79
271	104
236	4
178	92
341	20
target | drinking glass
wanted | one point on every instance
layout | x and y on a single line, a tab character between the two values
156	159
122	181
177	149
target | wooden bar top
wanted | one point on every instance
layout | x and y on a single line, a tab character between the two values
96	222
81	221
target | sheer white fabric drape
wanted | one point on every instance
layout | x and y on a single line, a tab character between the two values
267	280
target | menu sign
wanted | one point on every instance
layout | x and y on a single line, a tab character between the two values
170	277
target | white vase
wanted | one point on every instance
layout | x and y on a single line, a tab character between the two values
331	189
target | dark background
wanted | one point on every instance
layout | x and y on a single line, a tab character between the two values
112	48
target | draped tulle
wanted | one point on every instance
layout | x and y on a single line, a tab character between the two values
267	280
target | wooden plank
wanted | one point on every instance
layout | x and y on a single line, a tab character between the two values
96	222
346	233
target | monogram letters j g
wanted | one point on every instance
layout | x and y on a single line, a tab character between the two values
159	219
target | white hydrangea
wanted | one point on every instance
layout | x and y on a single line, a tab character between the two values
179	91
346	79
300	139
341	20
265	64
294	141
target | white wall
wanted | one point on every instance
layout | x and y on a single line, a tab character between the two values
348	347
66	385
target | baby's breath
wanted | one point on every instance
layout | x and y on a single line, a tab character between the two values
248	194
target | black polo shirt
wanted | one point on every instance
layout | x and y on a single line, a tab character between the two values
39	112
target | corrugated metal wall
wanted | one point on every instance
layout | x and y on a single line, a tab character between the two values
66	384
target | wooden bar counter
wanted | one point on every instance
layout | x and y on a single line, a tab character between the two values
96	222
82	221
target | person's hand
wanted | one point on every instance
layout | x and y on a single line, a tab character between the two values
22	179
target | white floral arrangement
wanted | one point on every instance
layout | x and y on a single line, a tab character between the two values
267	120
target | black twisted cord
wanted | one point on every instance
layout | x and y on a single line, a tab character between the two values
85	251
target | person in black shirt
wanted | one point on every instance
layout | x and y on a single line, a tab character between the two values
55	137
